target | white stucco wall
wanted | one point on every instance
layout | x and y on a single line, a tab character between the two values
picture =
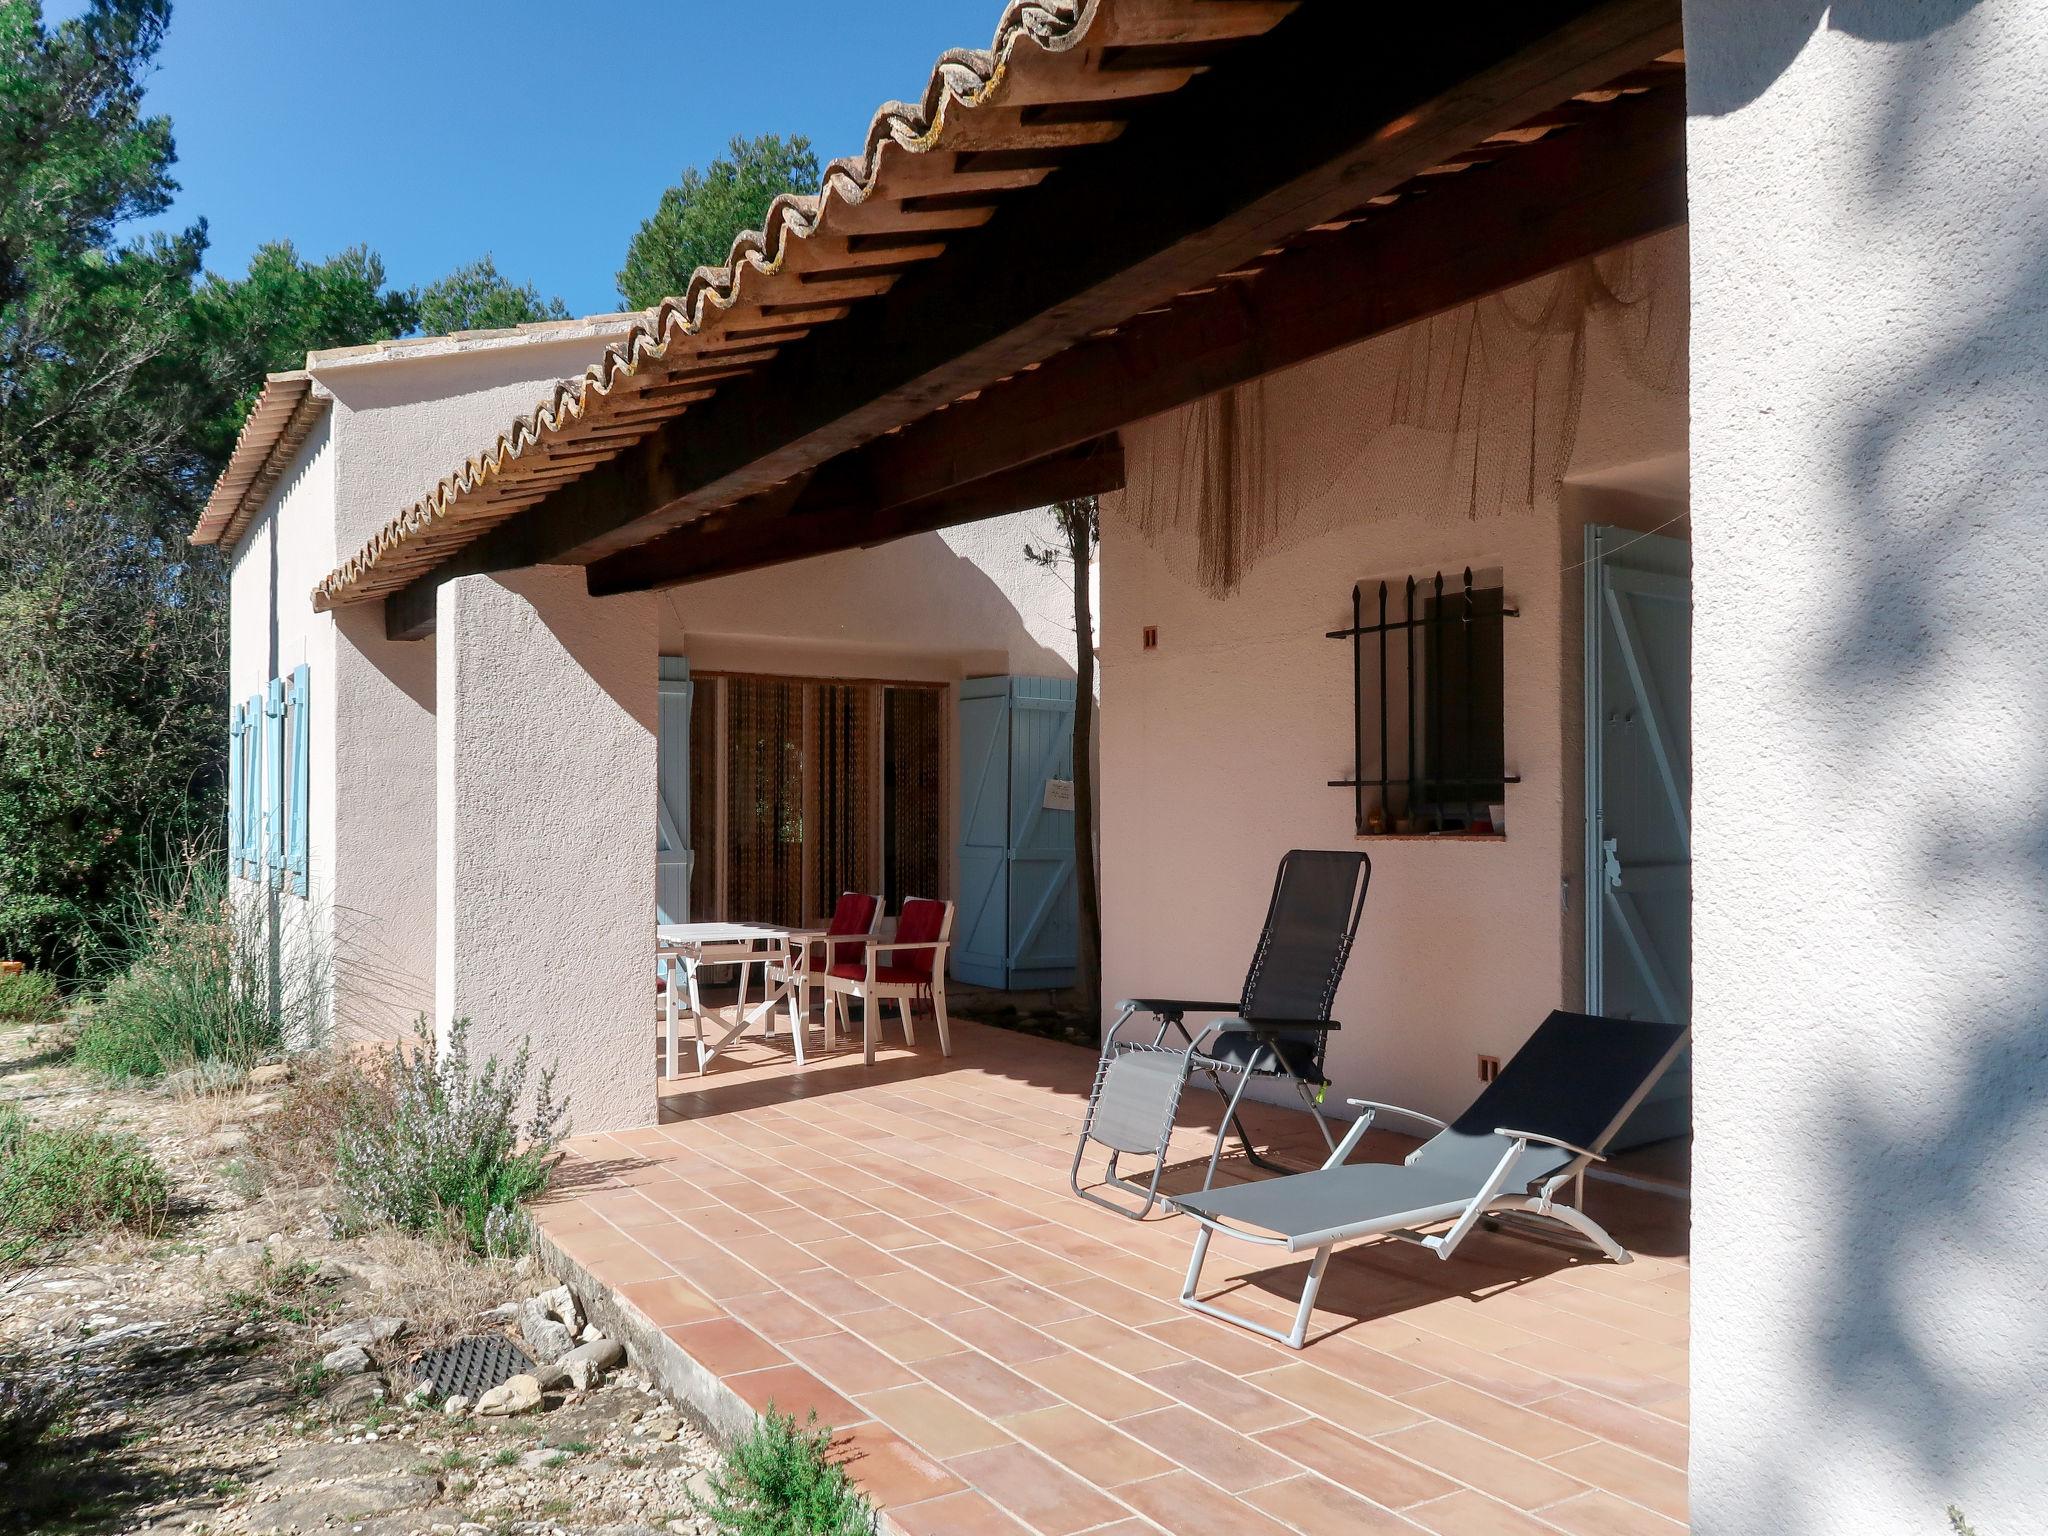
1216	748
545	880
1870	477
272	630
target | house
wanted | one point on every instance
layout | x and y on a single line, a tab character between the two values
1709	339
803	748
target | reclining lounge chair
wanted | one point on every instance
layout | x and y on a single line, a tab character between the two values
1506	1161
1278	1027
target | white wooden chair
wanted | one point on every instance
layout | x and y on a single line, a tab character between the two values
923	931
855	917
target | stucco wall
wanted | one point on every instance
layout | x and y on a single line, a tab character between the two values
1216	748
545	879
272	630
1870	475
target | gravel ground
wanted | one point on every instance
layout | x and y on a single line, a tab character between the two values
186	1364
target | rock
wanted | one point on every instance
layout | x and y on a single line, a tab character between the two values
270	1074
504	1312
547	1339
560	1304
349	1360
310	1508
591	1333
352	1394
456	1406
584	1366
333	1272
519	1395
364	1331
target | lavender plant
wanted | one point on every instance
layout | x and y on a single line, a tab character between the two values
441	1148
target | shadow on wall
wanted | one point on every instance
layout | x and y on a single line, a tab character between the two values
1778	29
931	595
1930	1329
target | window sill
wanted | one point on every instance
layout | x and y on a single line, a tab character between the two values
1430	837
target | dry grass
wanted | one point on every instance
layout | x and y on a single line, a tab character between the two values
299	1140
437	1286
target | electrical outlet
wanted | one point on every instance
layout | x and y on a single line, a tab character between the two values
1151	637
1489	1068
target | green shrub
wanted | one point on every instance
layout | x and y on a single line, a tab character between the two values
193	977
780	1481
30	995
433	1145
60	1184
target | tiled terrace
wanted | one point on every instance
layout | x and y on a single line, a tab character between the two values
896	1247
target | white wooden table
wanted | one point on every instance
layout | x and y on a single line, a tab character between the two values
681	948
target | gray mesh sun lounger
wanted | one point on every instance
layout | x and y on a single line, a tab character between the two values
1279	1026
1507	1160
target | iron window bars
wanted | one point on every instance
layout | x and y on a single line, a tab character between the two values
1450	715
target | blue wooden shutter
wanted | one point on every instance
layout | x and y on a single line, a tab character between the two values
271	854
295	857
981	925
252	786
237	727
1044	918
673	857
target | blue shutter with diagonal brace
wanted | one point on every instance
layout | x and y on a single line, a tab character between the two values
252	786
236	727
271	854
1017	924
295	857
673	856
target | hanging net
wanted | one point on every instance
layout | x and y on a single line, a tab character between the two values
1471	414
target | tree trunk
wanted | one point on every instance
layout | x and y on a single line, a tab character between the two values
1088	968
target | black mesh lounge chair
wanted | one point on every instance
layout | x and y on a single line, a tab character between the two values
1506	1161
1278	1027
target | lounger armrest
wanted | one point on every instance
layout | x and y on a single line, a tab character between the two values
1550	1141
1174	1007
876	949
1398	1109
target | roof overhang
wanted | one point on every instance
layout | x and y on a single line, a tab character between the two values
1122	205
276	427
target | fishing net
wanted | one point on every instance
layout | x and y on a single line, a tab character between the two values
1471	414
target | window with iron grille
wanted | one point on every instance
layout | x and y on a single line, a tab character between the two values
1429	751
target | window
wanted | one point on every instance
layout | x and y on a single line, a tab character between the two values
268	770
803	789
1428	743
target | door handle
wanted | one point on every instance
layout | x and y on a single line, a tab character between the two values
1610	861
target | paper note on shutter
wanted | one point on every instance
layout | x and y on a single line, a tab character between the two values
1059	794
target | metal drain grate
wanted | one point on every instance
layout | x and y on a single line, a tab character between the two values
472	1366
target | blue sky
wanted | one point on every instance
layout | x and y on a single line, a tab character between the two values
436	130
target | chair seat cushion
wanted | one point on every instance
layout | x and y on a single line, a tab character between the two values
1237	1048
887	975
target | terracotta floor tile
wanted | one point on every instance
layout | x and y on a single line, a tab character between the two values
983	1385
948	1265
1602	1514
1235	1400
1636	1478
1359	1465
965	1513
1000	1337
1491	1468
669	1302
726	1347
1342	1402
1086	1446
1533	1434
851	1256
847	1363
1223	1456
1026	1302
1638	1429
1114	1344
1087	1383
779	1316
1182	1503
887	1469
900	1336
1466	1513
932	1421
795	1391
919	1293
1317	1507
1036	1490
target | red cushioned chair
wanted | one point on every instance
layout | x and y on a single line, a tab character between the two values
907	969
854	919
